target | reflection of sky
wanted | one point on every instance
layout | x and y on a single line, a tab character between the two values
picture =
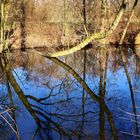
117	98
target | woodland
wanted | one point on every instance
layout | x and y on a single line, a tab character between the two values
66	26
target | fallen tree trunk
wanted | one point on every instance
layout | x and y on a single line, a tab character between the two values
94	36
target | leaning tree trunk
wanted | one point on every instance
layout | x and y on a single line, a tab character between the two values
94	36
128	22
126	27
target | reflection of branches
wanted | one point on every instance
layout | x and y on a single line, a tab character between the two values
58	115
102	91
131	91
41	116
49	96
38	100
57	127
12	115
36	114
89	91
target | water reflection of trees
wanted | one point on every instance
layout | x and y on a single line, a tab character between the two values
34	62
134	108
42	115
68	107
37	110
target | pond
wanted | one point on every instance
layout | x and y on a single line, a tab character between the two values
91	94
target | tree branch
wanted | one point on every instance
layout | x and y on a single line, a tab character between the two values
94	36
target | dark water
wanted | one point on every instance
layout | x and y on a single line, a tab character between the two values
92	94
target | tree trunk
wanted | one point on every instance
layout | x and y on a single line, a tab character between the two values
128	22
23	25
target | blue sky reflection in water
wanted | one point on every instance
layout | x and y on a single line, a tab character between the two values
50	89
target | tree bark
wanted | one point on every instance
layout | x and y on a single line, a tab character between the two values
23	25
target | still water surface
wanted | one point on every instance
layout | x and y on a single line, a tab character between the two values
89	95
